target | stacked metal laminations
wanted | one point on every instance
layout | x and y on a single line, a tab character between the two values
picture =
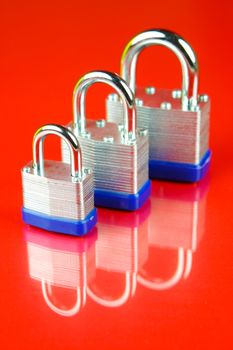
117	166
174	135
118	154
58	197
178	120
54	194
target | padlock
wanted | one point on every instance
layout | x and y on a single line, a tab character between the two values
61	264
178	233
58	197
118	154
121	250
177	120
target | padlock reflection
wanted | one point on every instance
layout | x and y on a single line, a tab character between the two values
63	265
176	226
121	249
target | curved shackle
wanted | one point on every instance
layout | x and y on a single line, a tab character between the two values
183	51
119	85
66	135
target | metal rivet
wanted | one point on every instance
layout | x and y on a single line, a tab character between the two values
138	102
86	134
150	90
203	98
195	108
26	169
76	179
87	171
100	123
109	139
142	132
176	94
113	97
166	105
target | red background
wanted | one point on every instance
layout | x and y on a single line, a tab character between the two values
45	47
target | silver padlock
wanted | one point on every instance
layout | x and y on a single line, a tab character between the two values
58	197
177	120
117	153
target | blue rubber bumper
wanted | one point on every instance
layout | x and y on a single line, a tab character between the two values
60	225
122	200
182	172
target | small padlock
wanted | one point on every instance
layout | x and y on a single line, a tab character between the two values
177	120
118	154
62	264
58	197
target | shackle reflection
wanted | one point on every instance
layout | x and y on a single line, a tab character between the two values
153	247
61	263
121	249
176	224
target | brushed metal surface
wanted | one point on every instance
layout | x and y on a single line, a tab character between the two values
175	135
55	193
117	166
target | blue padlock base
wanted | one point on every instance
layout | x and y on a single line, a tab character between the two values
182	172
59	224
122	200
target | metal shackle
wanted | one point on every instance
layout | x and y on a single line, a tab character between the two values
176	44
119	85
66	135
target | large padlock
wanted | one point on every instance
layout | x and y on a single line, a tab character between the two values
121	250
58	197
63	265
178	233
118	154
177	120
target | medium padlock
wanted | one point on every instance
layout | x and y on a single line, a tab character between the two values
62	264
180	232
177	120
118	154
58	197
121	250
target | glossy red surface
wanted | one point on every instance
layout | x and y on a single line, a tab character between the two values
161	277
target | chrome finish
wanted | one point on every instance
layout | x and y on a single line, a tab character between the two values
178	46
101	123
55	194
176	94
150	90
125	93
118	155
66	135
116	166
203	98
174	135
54	188
166	105
138	102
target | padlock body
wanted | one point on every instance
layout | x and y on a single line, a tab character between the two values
120	169
55	203
178	140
